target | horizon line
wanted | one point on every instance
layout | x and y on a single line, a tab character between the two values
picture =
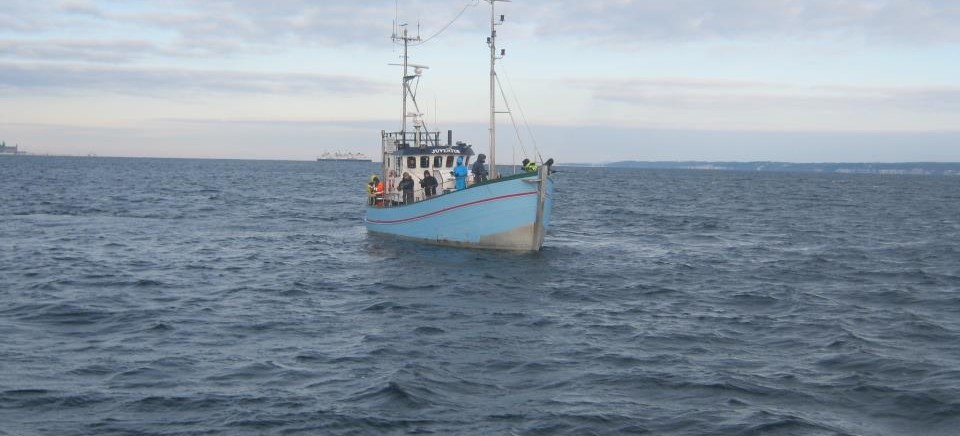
597	164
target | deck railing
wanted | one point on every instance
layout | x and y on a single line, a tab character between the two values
395	140
394	198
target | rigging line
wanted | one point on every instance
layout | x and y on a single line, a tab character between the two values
523	115
416	107
412	91
454	20
510	112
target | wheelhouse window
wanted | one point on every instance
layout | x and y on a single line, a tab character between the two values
411	162
424	161
449	161
437	161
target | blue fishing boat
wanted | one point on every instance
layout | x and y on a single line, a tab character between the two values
504	212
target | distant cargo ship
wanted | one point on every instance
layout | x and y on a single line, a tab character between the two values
353	157
5	149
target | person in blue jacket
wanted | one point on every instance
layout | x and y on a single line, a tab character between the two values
460	173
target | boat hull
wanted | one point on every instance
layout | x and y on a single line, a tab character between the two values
500	215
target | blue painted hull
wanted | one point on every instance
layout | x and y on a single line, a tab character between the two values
498	215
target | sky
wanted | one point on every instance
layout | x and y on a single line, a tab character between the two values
586	81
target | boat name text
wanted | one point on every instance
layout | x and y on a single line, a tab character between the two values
446	151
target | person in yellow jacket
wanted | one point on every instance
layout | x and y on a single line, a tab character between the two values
529	166
375	191
371	189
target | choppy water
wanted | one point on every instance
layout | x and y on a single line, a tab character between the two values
195	297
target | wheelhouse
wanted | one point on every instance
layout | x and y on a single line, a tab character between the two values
418	152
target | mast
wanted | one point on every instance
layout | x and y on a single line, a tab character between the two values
492	42
406	74
403	127
405	87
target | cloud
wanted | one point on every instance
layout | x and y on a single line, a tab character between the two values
22	16
306	23
623	23
632	22
181	28
160	81
264	23
935	98
712	94
707	94
112	51
81	8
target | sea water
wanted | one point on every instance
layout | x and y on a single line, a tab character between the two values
220	297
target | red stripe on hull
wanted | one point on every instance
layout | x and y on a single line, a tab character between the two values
437	212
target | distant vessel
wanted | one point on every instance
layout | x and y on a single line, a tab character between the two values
338	156
4	149
502	213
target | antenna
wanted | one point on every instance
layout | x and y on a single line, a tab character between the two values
418	70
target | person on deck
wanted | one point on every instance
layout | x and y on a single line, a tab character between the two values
480	170
460	173
429	184
372	189
377	191
406	187
529	166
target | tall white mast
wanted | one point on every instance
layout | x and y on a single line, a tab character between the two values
406	42
492	42
406	75
405	89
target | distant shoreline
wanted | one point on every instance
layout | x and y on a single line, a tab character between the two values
897	168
